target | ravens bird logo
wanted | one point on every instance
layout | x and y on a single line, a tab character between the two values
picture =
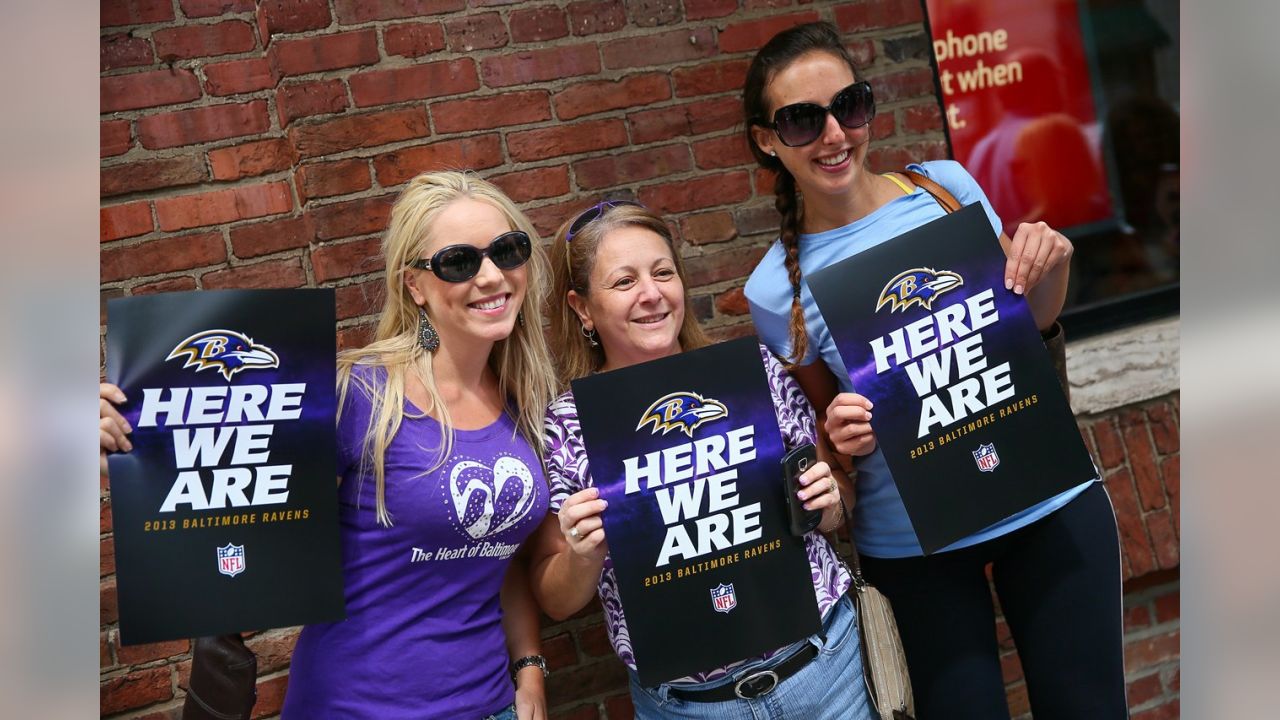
226	351
918	286
682	411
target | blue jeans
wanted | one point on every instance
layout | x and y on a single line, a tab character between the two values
829	687
507	713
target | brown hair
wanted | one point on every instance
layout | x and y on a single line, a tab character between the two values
571	265
783	49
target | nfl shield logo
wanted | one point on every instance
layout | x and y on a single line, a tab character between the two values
986	457
723	599
231	560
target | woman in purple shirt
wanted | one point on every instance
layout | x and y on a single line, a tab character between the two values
439	444
621	300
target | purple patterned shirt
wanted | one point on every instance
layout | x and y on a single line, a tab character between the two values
568	472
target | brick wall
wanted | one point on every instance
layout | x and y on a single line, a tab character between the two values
259	144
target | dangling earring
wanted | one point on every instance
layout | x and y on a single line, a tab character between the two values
520	318
427	336
590	335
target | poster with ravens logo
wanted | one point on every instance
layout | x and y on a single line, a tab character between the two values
225	510
687	452
969	414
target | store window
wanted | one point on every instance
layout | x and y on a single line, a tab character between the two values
1067	111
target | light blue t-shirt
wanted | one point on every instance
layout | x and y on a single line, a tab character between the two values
881	527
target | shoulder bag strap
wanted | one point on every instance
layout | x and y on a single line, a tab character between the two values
939	193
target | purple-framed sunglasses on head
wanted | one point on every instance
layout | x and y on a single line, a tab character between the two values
586	216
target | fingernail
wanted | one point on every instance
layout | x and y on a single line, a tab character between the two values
1018	290
806	506
868	416
606	502
870	405
1008	283
127	445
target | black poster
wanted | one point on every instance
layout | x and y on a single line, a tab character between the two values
687	452
225	512
968	410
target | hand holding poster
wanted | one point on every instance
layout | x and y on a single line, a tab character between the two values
225	511
969	413
687	451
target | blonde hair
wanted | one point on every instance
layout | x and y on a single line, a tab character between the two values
571	265
521	361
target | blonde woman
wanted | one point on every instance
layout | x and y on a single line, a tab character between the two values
439	445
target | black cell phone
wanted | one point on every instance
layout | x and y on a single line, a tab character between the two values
793	466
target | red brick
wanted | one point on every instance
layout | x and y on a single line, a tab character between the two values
350	218
725	265
902	85
897	157
756	220
1011	667
193	41
151	175
251	159
182	252
619	707
270	697
922	118
223	206
725	333
359	131
122	221
758	4
151	88
1136	618
134	12
476	153
123	50
547	220
114	138
660	49
355	336
286	273
722	152
326	179
273	648
862	51
292	16
346	259
419	81
1164	539
104	652
651	13
413	39
272	236
590	17
106	556
594	641
752	34
135	690
476	32
1148	652
533	66
559	651
299	100
216	122
596	96
701	9
1164	427
325	52
1137	440
1171	475
708	78
537	24
516	108
700	192
585	680
692	118
763	180
351	12
883	125
1133	534
108	607
874	14
1110	447
732	302
104	516
137	654
238	76
177	284
535	184
1019	701
1168	711
611	170
565	139
1168	607
213	8
365	299
708	228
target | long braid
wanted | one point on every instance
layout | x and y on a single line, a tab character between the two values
786	202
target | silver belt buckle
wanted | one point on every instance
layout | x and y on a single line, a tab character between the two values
751	679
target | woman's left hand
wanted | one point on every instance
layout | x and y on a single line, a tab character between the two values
531	697
1035	251
819	491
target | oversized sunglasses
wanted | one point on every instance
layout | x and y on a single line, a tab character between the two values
459	263
802	123
592	213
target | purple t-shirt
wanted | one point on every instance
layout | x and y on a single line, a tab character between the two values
423	635
568	471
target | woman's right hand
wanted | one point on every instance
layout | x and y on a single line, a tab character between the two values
112	427
581	524
848	424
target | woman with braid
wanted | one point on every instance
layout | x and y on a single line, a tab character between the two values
1055	565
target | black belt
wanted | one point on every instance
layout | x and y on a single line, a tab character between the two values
752	685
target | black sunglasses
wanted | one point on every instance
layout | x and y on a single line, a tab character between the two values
802	123
459	263
595	211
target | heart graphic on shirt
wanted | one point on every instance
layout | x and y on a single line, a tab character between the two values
489	500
